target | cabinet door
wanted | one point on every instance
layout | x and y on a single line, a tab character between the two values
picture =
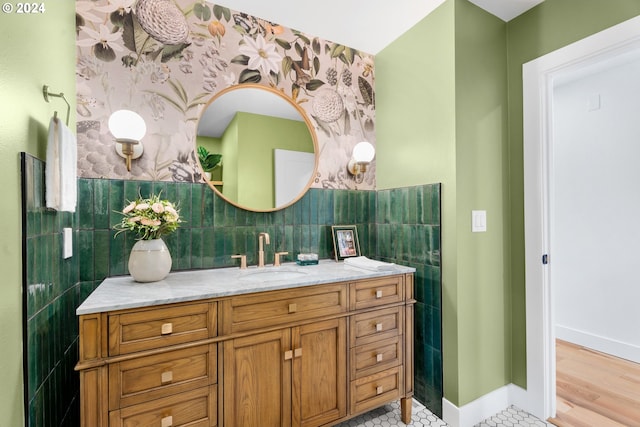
257	380
319	372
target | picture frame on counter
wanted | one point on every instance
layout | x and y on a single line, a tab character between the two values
345	241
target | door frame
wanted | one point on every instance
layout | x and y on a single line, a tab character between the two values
538	77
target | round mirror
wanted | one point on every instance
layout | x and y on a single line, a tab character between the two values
257	148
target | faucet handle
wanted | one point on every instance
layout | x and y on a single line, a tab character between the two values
276	262
243	260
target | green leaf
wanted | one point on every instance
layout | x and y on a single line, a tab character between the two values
316	64
240	60
225	12
366	91
128	33
304	38
240	30
315	45
179	90
206	14
336	50
249	76
314	84
198	10
217	12
172	51
287	65
299	49
283	44
347	56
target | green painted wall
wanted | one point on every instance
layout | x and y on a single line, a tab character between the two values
457	107
415	142
35	50
547	27
230	159
449	113
258	136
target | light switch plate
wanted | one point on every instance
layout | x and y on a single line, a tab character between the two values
478	221
67	246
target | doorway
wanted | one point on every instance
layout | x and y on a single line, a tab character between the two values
539	77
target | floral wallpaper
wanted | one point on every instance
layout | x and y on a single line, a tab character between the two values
165	59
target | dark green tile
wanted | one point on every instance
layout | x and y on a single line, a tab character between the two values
101	207
116	201
207	207
208	248
85	206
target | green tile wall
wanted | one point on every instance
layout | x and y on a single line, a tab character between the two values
407	232
51	294
400	225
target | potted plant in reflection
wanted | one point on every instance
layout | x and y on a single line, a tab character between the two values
149	219
208	161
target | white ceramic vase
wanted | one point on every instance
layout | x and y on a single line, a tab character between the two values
149	260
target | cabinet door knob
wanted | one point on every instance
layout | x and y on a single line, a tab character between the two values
379	390
167	328
288	355
379	357
297	352
293	308
378	294
378	327
166	421
166	377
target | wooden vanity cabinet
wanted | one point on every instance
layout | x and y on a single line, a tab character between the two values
306	356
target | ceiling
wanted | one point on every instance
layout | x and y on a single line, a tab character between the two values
367	26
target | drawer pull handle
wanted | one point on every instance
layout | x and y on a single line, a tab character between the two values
378	327
167	328
166	421
297	352
379	357
379	390
378	294
166	377
293	308
288	355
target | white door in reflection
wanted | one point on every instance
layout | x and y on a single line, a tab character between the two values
293	171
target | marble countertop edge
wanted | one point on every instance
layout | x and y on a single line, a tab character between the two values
122	292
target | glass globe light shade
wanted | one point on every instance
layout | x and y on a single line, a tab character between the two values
126	124
363	152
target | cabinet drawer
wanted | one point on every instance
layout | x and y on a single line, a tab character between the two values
368	359
257	311
376	325
197	408
146	378
377	292
375	390
160	327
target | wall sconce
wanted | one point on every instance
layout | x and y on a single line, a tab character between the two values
361	156
128	128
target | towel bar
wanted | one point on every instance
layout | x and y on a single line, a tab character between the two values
47	94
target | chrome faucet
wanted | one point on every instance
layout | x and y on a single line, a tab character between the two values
263	239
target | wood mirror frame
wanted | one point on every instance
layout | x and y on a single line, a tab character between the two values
252	90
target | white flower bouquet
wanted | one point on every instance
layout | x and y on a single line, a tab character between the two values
149	218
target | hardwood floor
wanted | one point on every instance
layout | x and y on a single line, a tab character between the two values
595	389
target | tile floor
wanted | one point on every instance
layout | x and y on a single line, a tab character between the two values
389	416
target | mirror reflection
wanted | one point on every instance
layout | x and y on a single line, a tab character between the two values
266	145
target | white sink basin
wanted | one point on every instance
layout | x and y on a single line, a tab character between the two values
271	275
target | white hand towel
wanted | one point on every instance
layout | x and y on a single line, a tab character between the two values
61	167
369	264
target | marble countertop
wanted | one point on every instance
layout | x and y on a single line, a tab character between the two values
116	293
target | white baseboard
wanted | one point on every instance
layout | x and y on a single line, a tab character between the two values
484	407
606	345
